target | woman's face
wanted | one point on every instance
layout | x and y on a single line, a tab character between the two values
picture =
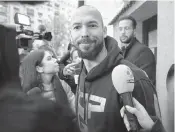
49	63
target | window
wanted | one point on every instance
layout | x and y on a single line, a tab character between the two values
56	13
50	17
69	11
40	21
30	12
16	9
3	13
3	9
49	4
40	14
3	19
150	34
57	5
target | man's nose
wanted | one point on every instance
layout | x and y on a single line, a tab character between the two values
84	32
122	31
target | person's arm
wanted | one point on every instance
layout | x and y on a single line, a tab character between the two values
70	95
34	91
66	73
146	61
61	74
147	123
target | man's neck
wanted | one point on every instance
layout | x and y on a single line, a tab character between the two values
89	64
127	44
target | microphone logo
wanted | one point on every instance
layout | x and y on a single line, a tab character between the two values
130	78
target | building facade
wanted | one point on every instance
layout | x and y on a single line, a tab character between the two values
37	13
54	14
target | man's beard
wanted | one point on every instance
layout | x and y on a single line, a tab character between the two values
92	54
127	41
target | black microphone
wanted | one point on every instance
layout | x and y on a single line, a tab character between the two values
123	81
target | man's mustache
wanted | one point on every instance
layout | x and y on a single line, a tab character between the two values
123	36
85	41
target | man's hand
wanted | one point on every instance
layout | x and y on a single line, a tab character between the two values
139	111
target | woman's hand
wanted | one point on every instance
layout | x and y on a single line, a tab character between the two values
69	69
139	111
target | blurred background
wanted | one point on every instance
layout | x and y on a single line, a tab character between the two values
55	15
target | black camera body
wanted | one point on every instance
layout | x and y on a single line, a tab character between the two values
43	36
25	37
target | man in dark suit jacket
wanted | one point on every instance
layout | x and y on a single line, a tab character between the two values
133	51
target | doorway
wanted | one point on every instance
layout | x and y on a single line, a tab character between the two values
150	34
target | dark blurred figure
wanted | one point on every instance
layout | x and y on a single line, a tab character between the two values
64	59
9	57
18	112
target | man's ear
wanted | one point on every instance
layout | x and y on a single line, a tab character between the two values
70	35
104	31
39	69
134	32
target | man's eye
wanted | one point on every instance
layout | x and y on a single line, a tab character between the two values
76	27
92	25
120	29
127	28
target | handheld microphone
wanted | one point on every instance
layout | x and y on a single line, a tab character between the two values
123	81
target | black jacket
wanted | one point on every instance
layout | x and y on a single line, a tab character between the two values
140	55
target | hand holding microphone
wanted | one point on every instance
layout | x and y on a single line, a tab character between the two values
34	91
123	81
139	111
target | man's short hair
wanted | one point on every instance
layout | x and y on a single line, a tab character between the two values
134	23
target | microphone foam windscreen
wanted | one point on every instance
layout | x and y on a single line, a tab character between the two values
123	79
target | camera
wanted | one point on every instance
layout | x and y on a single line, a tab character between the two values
24	36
